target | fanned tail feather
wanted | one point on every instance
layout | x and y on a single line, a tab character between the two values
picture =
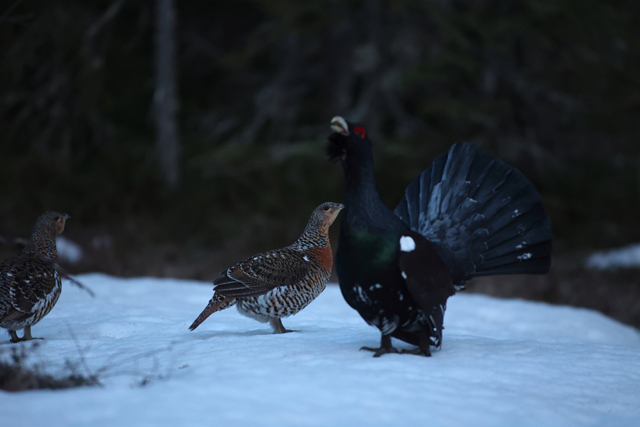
483	216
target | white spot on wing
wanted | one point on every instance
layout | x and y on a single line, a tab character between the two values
361	296
404	275
305	258
407	244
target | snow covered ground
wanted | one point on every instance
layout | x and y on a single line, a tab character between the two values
626	257
68	251
503	363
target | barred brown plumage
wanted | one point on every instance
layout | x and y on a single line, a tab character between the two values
281	282
29	283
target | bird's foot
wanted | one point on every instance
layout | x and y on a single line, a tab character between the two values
377	352
418	352
25	337
14	336
385	347
278	327
285	331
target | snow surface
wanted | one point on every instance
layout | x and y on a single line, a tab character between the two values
503	363
626	257
68	250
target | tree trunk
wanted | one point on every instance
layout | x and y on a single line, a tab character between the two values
165	98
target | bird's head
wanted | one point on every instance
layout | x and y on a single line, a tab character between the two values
52	222
329	211
322	217
348	142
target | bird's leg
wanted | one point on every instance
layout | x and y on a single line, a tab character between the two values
278	327
27	334
385	347
25	337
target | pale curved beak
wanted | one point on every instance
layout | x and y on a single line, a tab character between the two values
339	125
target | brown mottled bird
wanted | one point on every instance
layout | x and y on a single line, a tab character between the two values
29	283
281	282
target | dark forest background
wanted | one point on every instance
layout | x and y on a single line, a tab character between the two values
183	136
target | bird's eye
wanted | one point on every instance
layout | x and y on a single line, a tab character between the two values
56	218
359	130
324	208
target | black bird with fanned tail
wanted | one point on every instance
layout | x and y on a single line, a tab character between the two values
468	215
